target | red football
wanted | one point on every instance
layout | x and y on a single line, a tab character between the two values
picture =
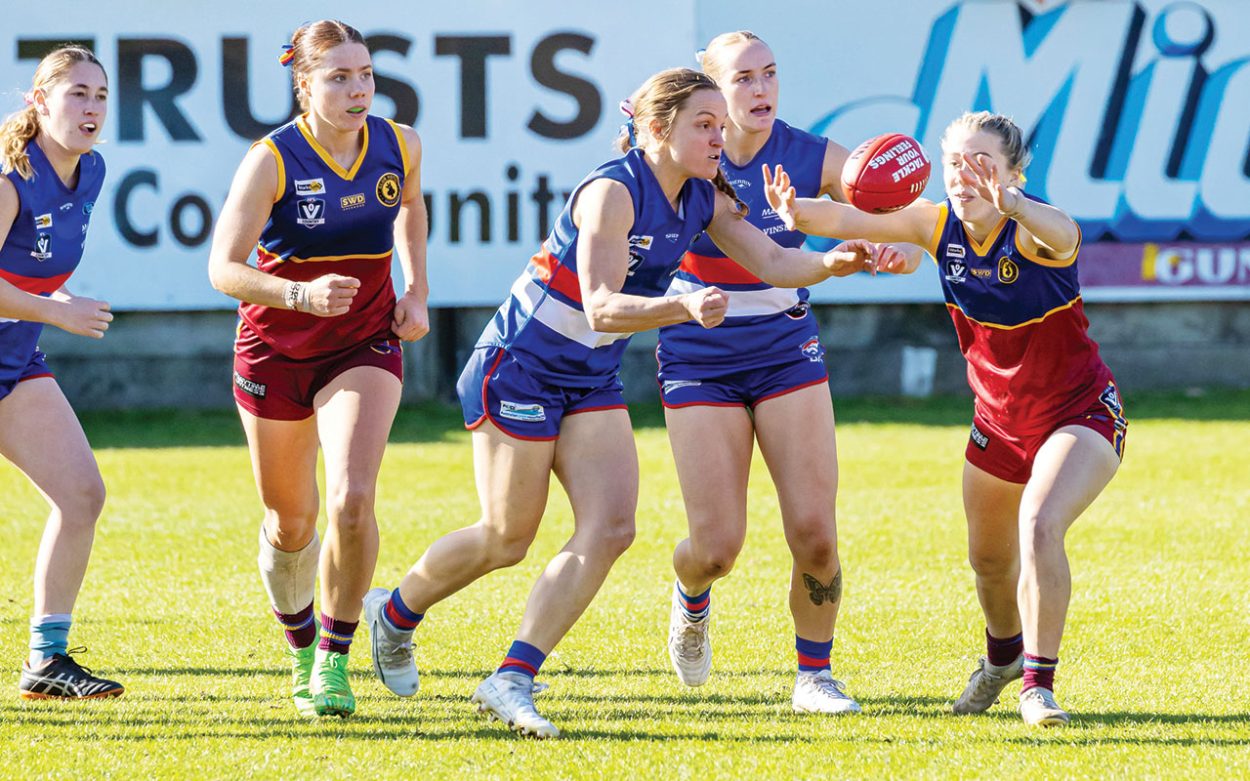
885	173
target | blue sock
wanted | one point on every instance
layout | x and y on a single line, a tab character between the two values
813	656
523	658
694	606
49	635
399	616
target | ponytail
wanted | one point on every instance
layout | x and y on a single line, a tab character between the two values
16	132
741	210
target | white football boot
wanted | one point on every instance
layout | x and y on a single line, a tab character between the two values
509	697
1039	709
985	684
818	692
689	645
391	649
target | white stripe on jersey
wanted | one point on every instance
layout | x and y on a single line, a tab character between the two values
558	316
745	303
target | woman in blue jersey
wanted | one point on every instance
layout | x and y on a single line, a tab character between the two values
541	390
51	180
325	201
760	377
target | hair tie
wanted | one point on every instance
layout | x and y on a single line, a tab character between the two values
628	127
698	56
287	56
627	107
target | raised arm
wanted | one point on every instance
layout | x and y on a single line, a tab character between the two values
412	227
1046	229
252	194
604	213
75	314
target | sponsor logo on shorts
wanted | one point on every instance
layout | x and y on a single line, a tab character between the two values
312	212
798	311
672	385
310	186
526	413
43	247
1110	398
250	387
956	272
352	201
812	349
1008	271
388	189
979	439
384	348
954	250
43	222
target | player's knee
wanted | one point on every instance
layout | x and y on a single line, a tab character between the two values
81	503
1041	531
991	565
616	536
351	509
717	559
290	527
505	550
814	545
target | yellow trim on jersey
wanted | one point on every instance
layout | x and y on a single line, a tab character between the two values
326	157
1039	260
267	141
984	247
322	258
1001	327
936	238
403	145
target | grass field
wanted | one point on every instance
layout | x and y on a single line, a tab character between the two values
1154	664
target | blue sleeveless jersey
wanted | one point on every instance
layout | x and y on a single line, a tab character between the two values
331	220
45	244
543	324
1021	326
765	325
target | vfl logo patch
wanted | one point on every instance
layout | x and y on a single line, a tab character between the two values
43	247
388	189
979	439
311	212
956	272
526	413
352	201
813	350
1008	271
954	251
310	186
250	387
672	385
43	222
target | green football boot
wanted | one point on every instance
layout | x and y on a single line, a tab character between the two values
332	696
301	678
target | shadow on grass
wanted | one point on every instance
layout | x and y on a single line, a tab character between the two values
438	422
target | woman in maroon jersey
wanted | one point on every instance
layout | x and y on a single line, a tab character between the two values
1048	430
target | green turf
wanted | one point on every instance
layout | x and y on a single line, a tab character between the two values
1154	662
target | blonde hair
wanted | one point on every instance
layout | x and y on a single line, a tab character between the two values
657	101
709	58
1008	132
19	128
310	43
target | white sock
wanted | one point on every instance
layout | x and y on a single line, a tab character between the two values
290	577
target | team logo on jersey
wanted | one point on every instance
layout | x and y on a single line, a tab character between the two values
979	439
352	201
1008	271
813	350
641	242
88	207
954	251
43	247
672	236
528	413
956	271
388	189
672	385
312	212
43	222
310	186
250	387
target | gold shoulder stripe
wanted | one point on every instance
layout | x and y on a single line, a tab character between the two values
267	141
937	231
403	145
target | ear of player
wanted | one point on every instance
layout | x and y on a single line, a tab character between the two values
885	173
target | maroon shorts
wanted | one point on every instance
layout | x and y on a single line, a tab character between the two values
270	385
1010	457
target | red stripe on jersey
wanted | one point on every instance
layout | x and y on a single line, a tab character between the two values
557	276
717	271
40	286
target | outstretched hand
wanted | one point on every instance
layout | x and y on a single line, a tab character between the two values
981	174
781	196
856	255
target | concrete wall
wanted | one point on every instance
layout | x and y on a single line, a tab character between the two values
182	359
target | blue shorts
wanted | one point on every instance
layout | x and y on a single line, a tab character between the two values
495	387
37	366
684	388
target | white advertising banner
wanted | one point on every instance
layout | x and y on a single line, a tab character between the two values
1138	114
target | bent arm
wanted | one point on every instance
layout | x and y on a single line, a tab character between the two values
16	303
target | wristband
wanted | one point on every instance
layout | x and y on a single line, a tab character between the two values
295	296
